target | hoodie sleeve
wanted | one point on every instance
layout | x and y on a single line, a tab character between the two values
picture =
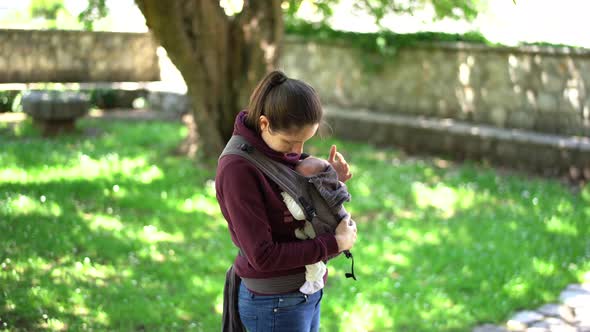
241	195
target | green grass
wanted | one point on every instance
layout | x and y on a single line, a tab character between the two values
112	232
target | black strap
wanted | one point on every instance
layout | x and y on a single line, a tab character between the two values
277	172
348	254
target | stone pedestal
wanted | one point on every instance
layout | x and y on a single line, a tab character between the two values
55	112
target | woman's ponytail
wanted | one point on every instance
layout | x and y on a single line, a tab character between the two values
286	102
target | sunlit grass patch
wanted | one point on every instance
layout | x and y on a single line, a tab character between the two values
113	232
446	246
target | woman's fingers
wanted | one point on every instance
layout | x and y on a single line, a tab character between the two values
353	225
346	233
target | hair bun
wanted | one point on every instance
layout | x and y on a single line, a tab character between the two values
277	77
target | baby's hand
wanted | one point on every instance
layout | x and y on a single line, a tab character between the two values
340	165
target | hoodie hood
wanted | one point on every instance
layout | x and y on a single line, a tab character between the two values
255	139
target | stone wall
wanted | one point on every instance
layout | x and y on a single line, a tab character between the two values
527	107
76	56
540	89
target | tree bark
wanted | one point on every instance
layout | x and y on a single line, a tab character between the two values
221	59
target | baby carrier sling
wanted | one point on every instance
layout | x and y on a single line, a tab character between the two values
305	190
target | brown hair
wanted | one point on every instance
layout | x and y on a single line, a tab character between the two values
287	103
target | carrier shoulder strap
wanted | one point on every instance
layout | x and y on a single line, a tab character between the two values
283	176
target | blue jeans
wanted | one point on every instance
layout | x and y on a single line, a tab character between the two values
295	311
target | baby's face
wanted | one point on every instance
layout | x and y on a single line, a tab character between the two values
311	166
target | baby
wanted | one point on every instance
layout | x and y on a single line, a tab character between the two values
314	273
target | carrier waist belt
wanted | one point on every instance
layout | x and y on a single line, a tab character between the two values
274	285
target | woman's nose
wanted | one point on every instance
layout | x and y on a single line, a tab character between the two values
297	148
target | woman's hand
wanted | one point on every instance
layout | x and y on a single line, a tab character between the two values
340	165
346	234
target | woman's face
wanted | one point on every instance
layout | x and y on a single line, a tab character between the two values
287	142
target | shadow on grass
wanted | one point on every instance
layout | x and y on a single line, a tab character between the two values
107	141
131	268
103	264
447	248
132	242
110	232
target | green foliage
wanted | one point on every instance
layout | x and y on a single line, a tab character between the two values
547	44
379	46
95	10
103	98
47	9
385	42
115	98
458	9
454	9
54	13
8	99
324	7
111	232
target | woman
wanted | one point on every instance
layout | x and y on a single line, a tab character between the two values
282	115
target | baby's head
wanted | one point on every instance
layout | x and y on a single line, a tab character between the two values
311	166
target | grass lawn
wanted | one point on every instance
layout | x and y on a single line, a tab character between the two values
112	232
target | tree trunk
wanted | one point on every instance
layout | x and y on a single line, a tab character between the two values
221	59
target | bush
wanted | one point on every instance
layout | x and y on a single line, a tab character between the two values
7	100
111	98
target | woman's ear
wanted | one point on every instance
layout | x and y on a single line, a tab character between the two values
263	123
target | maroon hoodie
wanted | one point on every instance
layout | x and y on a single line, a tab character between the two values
258	220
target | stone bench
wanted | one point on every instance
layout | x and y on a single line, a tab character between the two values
542	153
